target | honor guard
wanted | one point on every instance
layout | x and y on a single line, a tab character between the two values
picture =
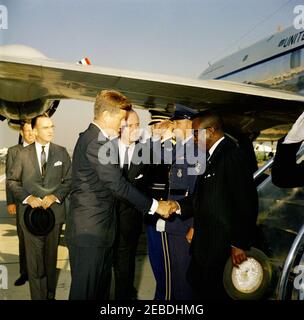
182	178
162	151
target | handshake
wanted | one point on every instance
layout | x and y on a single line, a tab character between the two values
166	208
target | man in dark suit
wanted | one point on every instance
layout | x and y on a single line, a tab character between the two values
96	182
286	172
129	219
41	177
225	208
28	138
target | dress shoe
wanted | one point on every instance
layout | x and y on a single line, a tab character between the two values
21	280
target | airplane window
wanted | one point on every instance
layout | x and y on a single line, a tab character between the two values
295	59
245	57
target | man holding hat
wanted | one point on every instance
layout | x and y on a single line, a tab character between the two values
40	180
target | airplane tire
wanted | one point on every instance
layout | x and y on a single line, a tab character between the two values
252	280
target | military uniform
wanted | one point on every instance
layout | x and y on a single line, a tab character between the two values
182	178
181	185
158	186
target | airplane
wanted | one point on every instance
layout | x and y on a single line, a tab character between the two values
256	88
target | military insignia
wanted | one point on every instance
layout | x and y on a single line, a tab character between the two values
179	173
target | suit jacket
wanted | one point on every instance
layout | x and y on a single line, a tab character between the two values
130	220
286	172
225	206
10	159
25	179
95	186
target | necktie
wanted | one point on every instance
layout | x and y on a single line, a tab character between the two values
43	161
126	162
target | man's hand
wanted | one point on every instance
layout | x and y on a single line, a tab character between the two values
174	205
189	235
237	256
12	209
296	133
47	201
34	202
165	209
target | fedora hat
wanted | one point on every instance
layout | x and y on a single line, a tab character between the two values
39	221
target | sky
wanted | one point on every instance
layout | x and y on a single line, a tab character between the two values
174	37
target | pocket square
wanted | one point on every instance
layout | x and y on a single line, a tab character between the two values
58	163
139	177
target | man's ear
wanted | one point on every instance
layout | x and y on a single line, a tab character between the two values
105	115
35	132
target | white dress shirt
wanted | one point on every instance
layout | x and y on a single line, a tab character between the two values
38	148
122	150
212	149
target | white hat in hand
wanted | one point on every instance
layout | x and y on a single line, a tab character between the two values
296	133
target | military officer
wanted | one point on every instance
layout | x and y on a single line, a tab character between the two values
182	178
162	150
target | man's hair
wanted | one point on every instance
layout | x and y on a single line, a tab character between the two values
211	119
111	101
34	120
23	123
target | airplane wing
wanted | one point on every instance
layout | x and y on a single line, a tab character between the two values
26	80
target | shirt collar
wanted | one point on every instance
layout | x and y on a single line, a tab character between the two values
102	131
121	144
211	150
39	145
25	144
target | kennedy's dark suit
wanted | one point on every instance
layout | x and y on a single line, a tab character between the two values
225	208
24	180
130	222
10	160
91	223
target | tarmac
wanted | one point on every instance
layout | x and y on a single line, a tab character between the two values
9	257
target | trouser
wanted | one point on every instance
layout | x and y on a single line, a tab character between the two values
180	258
22	255
160	262
41	259
207	281
124	269
91	272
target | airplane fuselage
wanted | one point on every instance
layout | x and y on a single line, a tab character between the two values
276	62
